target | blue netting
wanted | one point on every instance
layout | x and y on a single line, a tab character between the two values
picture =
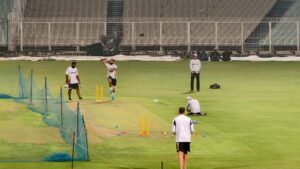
59	157
55	113
5	96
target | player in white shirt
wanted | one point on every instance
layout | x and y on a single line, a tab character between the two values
195	66
73	80
183	128
111	76
193	107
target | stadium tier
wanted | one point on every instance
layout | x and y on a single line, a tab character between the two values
68	10
5	10
196	8
240	25
284	31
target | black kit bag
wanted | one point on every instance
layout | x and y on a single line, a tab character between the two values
215	86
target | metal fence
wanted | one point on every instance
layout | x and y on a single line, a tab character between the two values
237	35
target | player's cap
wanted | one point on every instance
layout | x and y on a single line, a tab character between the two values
189	98
73	62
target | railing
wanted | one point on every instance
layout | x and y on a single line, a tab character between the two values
161	19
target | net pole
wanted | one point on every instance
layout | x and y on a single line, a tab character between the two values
20	83
46	97
77	119
86	139
31	90
73	150
61	108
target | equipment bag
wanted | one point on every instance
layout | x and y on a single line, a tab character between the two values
215	86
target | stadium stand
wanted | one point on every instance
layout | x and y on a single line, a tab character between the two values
226	24
65	10
196	8
143	10
281	31
284	33
114	10
56	23
168	11
5	7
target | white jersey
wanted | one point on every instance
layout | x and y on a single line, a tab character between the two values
194	106
111	70
72	73
182	128
195	65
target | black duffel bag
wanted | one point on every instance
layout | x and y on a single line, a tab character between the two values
215	86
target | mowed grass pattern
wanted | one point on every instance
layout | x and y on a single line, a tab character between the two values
252	123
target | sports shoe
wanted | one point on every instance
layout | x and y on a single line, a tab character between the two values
80	98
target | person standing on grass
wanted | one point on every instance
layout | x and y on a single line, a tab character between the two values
111	76
195	66
73	80
182	128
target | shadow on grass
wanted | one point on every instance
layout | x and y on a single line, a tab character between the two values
93	101
232	167
189	92
127	168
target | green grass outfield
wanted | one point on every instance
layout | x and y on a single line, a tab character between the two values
253	122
